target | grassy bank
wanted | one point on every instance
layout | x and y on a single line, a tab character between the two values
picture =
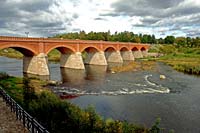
182	59
61	116
135	66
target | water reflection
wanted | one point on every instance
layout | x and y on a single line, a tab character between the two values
73	76
78	77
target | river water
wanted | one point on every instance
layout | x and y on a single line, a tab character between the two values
139	97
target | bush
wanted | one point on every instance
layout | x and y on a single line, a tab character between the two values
3	76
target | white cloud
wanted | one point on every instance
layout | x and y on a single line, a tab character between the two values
49	17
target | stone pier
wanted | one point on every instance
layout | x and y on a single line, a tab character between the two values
114	56
127	56
138	54
96	58
145	53
72	60
37	65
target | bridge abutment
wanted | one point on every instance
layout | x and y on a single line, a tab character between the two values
96	58
72	60
37	65
138	54
127	55
114	56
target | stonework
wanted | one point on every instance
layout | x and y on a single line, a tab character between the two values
37	65
127	56
137	54
114	56
72	60
144	53
96	58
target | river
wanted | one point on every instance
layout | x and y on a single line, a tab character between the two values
139	97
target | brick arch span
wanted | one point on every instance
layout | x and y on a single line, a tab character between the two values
124	48
24	49
143	49
109	48
134	49
90	49
62	48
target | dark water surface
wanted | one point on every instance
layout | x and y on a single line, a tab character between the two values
138	97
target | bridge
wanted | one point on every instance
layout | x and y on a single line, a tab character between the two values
35	51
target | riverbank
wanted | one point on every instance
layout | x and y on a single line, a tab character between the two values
183	59
60	116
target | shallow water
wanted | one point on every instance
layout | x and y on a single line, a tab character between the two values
138	97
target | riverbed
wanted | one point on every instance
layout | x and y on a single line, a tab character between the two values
139	97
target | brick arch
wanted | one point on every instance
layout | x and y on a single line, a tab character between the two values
143	49
124	48
92	48
109	47
135	49
25	50
62	48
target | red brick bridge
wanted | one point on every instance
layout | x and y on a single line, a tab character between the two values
35	52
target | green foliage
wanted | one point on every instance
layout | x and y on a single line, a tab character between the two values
155	128
28	92
167	49
125	36
169	40
182	58
3	76
61	116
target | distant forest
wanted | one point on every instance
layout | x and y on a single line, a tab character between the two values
127	36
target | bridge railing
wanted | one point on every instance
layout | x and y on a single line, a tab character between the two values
28	121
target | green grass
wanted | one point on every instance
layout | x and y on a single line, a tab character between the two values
9	52
182	59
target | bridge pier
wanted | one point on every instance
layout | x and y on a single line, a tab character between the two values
37	65
138	54
114	56
72	60
145	53
96	58
127	55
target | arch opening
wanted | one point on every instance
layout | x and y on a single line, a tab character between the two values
143	49
135	49
56	53
124	49
17	52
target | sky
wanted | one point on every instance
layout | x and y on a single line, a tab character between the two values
44	18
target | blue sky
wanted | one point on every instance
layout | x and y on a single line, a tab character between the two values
43	18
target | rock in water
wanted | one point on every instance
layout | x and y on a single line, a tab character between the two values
162	77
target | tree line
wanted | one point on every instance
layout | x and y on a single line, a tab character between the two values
127	36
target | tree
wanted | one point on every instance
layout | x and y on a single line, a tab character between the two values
169	39
28	92
181	41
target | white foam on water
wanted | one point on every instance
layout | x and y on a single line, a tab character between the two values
154	88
